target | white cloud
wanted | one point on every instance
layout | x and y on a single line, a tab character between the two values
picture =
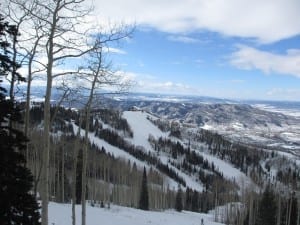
265	21
151	84
183	39
249	58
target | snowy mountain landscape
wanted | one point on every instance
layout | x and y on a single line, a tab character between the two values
149	112
152	122
199	146
273	124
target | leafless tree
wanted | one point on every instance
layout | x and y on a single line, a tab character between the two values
61	41
97	74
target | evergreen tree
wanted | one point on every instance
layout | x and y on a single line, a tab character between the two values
267	208
17	205
294	211
144	198
178	201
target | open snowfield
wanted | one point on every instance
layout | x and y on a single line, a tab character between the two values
60	214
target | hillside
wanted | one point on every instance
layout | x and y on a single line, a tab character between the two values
209	169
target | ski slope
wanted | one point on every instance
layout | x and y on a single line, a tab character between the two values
228	170
60	214
142	128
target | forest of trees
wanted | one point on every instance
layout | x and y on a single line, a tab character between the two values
218	190
50	156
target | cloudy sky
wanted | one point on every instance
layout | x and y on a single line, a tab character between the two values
242	49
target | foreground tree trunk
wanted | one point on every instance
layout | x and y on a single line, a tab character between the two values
74	178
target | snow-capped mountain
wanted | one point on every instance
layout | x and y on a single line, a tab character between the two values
273	124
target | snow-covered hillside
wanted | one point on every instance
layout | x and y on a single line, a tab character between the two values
60	214
142	128
228	170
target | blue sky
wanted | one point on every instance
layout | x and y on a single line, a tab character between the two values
237	49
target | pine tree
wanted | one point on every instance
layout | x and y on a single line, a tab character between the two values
294	211
178	201
267	208
144	198
17	205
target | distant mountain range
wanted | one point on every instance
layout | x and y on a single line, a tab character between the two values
274	124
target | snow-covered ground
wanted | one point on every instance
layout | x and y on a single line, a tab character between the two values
60	214
289	112
116	152
141	128
228	170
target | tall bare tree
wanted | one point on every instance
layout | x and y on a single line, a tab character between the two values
58	33
96	74
62	42
21	12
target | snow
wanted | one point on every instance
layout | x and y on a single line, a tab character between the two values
207	127
188	179
290	136
60	214
228	170
288	112
141	128
117	152
237	125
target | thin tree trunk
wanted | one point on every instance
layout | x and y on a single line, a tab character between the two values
74	179
279	210
47	117
46	154
28	92
63	174
83	177
27	110
86	139
14	68
84	166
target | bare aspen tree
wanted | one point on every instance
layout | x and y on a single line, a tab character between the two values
96	74
62	42
59	37
74	170
20	13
